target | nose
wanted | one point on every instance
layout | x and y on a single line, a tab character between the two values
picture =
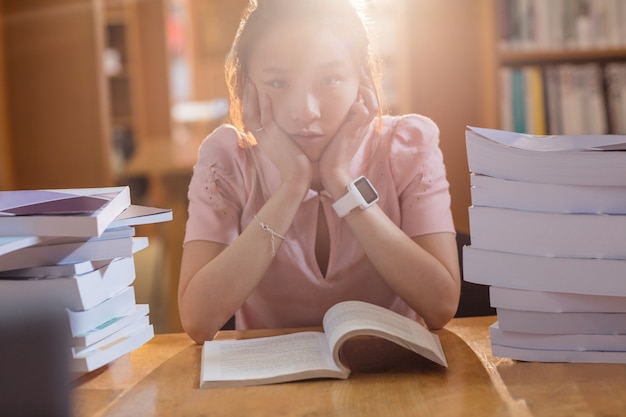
305	107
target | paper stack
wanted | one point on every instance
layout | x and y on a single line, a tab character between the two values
548	235
76	247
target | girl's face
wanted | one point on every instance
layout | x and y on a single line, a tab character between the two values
311	78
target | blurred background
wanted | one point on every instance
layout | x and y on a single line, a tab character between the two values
105	92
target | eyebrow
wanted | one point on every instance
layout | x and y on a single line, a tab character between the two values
338	63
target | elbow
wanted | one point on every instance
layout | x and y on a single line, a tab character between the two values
442	314
437	322
198	334
199	330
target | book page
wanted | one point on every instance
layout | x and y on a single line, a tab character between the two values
352	318
553	142
268	359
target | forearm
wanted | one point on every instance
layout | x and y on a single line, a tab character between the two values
211	291
425	276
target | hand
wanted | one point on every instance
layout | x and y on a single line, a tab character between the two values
335	162
286	156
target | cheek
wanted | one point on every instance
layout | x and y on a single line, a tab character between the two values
337	105
280	106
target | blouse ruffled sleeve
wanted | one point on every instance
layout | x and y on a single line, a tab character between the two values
420	175
214	199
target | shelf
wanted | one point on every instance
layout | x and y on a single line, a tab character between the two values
526	57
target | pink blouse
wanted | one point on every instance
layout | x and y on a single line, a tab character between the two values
230	184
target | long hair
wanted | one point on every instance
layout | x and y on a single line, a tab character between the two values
344	16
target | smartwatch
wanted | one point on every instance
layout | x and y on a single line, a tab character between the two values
361	193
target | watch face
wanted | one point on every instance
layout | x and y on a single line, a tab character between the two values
367	191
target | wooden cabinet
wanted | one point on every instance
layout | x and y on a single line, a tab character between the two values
56	129
6	164
59	111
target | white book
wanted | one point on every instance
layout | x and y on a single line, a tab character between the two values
544	273
77	292
102	354
136	215
13	243
559	198
54	271
82	321
544	355
560	323
95	335
548	234
110	233
555	302
578	342
68	253
560	159
63	212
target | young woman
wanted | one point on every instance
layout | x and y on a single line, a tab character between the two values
311	197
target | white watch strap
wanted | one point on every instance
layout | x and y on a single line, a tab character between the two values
346	204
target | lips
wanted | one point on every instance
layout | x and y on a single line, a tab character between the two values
307	137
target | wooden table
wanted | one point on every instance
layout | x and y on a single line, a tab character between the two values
162	378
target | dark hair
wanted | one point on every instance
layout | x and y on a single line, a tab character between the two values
260	15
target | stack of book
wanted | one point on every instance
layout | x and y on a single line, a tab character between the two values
75	247
548	235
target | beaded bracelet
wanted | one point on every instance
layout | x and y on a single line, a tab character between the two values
272	232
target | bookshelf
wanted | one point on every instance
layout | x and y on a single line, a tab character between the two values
562	66
135	66
118	68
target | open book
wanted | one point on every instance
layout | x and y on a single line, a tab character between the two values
311	354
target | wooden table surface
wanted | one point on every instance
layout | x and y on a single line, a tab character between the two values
162	379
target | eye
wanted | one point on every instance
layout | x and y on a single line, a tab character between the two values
329	81
278	83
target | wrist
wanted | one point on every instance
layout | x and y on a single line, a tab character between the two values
297	187
337	185
359	193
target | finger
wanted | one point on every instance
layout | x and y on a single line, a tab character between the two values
369	97
266	115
